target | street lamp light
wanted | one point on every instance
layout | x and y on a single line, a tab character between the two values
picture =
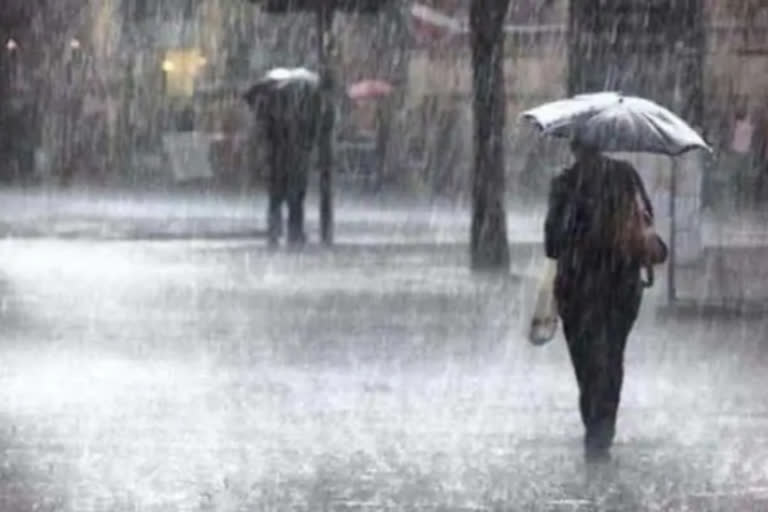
11	45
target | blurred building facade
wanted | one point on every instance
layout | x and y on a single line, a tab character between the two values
107	77
736	102
15	106
733	80
180	65
116	74
36	61
440	87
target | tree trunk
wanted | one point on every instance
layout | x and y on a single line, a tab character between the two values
489	246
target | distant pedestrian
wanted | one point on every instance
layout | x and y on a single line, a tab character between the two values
290	116
595	229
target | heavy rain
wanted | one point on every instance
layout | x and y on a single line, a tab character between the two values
383	255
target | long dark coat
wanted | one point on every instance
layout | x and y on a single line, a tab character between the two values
598	287
588	207
291	119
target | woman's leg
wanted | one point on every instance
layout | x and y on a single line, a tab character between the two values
606	375
597	336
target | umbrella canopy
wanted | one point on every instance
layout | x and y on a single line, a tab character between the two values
615	123
562	114
256	91
284	6
368	89
278	79
281	77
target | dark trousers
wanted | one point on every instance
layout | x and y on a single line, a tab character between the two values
288	186
295	202
596	333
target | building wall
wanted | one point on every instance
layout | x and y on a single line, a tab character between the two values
156	65
126	59
735	72
440	90
56	67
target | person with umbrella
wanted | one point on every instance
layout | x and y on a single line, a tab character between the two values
287	104
599	230
598	285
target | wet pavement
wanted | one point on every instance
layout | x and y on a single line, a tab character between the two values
120	214
215	374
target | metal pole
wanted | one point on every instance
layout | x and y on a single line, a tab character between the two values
325	142
671	290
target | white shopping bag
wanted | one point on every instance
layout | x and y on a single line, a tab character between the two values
545	319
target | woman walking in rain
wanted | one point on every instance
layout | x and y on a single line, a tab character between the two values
594	229
599	228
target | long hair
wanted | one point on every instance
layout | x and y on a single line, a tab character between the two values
604	205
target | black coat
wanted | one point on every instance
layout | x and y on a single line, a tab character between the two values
290	118
589	205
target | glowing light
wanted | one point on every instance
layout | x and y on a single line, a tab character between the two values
182	66
11	45
74	44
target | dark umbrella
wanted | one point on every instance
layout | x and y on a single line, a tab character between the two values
255	92
281	80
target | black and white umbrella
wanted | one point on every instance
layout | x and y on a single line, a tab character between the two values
612	122
282	80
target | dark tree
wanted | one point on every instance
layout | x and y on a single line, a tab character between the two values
489	245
